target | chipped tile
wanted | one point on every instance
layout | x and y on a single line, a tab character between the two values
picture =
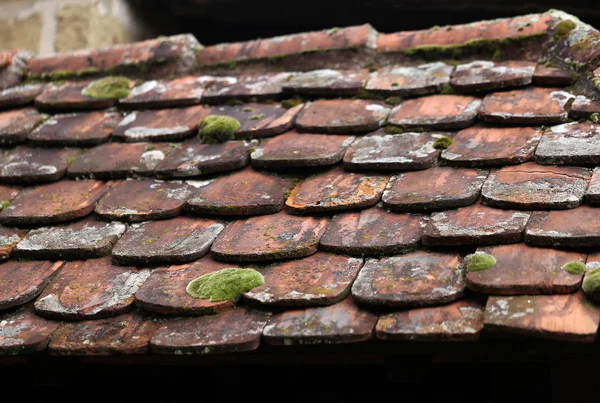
68	96
342	116
410	81
568	228
326	82
526	106
253	87
254	193
22	281
416	279
592	194
487	146
570	144
26	164
475	225
234	331
335	190
535	187
9	238
84	239
90	289
434	189
380	151
551	76
583	107
181	91
176	240
373	232
341	323
569	317
143	200
436	112
53	203
459	321
269	237
482	75
317	280
259	120
15	125
524	270
23	332
20	95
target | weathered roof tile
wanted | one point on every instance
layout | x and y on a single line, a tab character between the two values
342	116
410	81
22	281
327	82
569	228
583	107
9	238
25	165
570	144
253	87
484	75
551	76
20	95
69	96
23	332
15	125
181	91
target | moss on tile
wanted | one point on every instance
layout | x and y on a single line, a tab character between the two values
393	100
594	117
563	28
391	129
574	267
4	204
218	129
107	88
449	90
591	284
258	116
479	261
292	102
224	285
442	143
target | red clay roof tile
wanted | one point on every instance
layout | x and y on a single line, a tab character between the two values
482	75
568	228
551	76
181	91
409	81
69	96
570	144
326	82
583	107
15	125
23	332
342	116
20	95
24	280
26	165
246	87
9	238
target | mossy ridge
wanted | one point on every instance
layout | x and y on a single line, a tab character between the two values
112	87
574	267
442	143
479	261
225	285
218	129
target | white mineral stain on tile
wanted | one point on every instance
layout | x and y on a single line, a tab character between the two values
130	118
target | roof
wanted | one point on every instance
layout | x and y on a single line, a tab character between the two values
366	168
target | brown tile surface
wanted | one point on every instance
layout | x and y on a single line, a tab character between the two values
9	237
26	164
143	200
20	95
83	239
7	194
259	120
249	87
481	75
53	203
570	144
269	237
16	124
583	107
475	225
90	289
526	106
75	129
562	317
181	91
23	332
459	321
22	281
68	96
342	116
373	232
317	280
569	228
341	323
592	194
164	291
551	76
436	112
129	333
409	81
522	269
232	331
531	186
246	192
335	190
380	151
481	146
326	82
177	240
416	279
433	189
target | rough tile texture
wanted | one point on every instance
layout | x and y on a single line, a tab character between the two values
23	332
75	129
570	144
27	165
483	75
342	116
583	107
22	281
326	82
436	112
410	81
20	95
569	228
592	194
7	194
181	91
551	76
15	125
68	96
254	87
9	237
259	120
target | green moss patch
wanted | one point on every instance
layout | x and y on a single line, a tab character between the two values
290	103
442	143
393	100
479	261
591	283
449	90
4	204
218	129
563	28
574	267
224	285
107	88
594	117
391	129
258	116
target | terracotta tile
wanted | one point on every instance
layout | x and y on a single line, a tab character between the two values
20	95
165	290
583	107
143	200
75	129
475	225
373	232
410	81
569	228
415	279
522	269
23	332
570	144
129	333
118	160
160	125
254	193
326	82
26	164
434	189
317	280
342	116
90	289
592	194
6	195
84	239
177	240
53	203
259	120
9	238
481	75
269	237
568	317
233	331
526	106
293	149
459	321
68	96
380	151
253	87
335	190
22	281
341	323
531	186
181	91
551	76
488	146
193	158
15	125
436	112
